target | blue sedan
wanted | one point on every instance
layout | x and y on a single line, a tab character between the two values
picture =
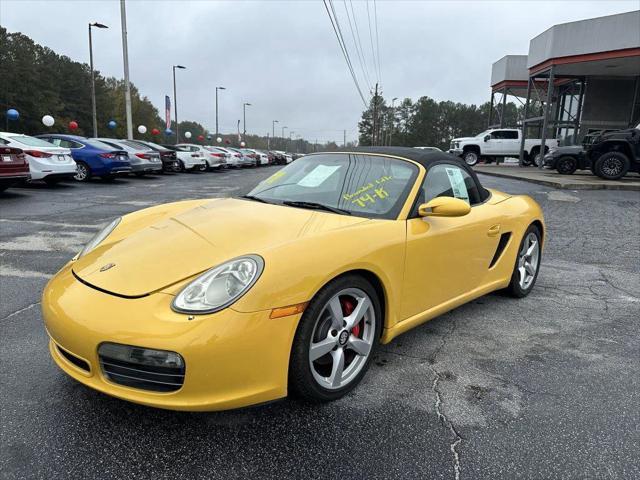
93	158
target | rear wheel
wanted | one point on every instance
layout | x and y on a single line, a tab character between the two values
611	165
335	340
470	157
566	165
83	173
525	271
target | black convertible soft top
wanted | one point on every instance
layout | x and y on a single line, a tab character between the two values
423	157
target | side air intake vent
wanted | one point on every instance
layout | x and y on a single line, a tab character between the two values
504	239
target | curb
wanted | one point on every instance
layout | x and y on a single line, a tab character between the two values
565	186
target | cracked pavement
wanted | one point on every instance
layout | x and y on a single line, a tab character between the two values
543	387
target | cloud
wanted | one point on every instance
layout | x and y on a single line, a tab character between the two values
283	57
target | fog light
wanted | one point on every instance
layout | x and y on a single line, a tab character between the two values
140	355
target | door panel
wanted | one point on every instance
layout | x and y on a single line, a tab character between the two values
447	257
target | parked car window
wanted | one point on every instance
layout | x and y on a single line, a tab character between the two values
135	146
497	135
510	135
60	142
447	180
31	141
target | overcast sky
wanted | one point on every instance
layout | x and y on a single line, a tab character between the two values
283	57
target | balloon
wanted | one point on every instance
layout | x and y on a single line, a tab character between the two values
201	137
155	131
242	144
48	121
168	132
12	114
218	139
142	129
73	125
187	134
112	124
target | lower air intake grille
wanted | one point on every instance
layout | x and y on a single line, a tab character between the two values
145	377
78	362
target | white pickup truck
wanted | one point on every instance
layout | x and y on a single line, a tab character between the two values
498	143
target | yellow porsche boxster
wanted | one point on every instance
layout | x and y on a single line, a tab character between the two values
222	303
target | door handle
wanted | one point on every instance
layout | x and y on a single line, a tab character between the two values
494	230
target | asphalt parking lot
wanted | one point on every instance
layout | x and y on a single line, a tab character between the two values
543	387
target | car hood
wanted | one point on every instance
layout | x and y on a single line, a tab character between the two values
464	139
569	149
179	246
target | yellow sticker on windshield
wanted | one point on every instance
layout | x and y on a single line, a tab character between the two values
368	187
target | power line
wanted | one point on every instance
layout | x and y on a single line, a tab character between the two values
343	47
375	16
363	65
344	51
353	14
373	52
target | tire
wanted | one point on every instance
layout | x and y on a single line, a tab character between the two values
471	157
566	165
83	172
521	287
534	157
611	165
311	378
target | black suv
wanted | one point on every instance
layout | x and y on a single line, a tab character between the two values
615	153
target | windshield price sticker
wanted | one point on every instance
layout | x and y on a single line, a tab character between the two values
457	183
318	175
377	194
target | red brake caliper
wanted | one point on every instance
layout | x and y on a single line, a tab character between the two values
348	305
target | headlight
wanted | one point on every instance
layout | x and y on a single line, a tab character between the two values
99	237
219	287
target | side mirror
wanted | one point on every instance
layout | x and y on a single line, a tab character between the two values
487	137
444	207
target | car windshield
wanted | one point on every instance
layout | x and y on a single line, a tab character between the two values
364	185
482	134
31	141
134	145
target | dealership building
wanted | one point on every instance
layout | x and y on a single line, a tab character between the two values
578	77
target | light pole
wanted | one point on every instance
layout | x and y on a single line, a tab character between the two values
175	100
291	132
273	129
93	81
244	118
217	88
283	131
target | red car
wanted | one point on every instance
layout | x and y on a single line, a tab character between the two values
14	167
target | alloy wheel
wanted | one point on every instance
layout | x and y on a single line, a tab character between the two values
81	172
528	260
342	338
471	158
612	167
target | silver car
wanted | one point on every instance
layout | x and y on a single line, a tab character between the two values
143	159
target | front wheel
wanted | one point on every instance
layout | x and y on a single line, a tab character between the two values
525	271
470	157
335	340
566	165
611	165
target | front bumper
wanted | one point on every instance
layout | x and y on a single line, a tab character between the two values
455	151
232	359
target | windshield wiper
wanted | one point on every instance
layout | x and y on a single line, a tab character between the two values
316	206
252	197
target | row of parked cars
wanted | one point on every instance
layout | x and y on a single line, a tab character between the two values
55	157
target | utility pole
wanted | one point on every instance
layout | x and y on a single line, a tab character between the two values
393	118
125	58
375	118
93	80
273	128
344	141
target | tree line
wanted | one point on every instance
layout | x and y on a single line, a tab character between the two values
425	122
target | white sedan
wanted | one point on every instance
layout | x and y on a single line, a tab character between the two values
260	157
214	158
191	161
46	161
